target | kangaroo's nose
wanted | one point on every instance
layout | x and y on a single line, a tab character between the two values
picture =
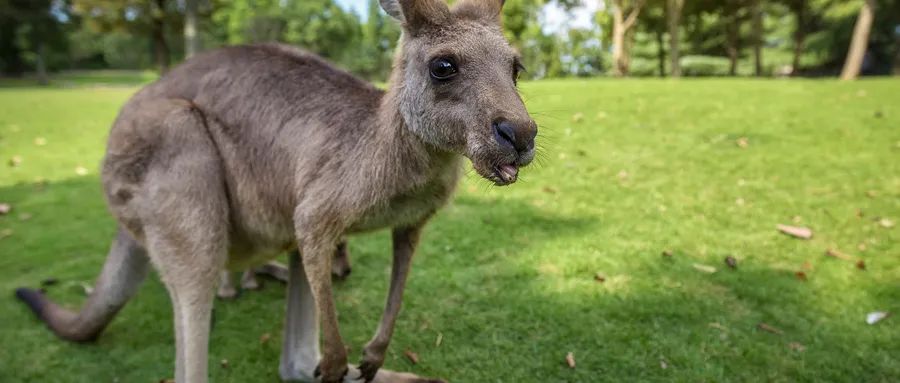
519	137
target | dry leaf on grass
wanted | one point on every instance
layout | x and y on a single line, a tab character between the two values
264	338
87	289
801	275
5	233
663	364
224	363
578	117
413	357
40	141
796	346
796	231
731	262
860	264
704	268
767	328
5	208
81	170
570	360
599	278
838	254
743	142
876	316
15	161
886	223
667	253
439	340
549	190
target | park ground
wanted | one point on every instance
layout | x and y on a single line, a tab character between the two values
507	281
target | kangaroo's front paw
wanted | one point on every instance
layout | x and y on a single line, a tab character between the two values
227	292
327	374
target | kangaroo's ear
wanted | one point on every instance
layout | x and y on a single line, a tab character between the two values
417	14
487	10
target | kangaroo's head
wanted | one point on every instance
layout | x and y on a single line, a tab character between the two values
455	84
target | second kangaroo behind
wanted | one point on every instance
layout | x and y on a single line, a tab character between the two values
242	153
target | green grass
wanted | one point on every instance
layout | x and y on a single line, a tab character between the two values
506	275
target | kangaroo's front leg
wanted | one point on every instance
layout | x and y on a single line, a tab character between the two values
316	252
405	241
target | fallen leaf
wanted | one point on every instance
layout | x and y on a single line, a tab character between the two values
876	316
795	231
739	202
718	326
15	161
662	364
731	262
796	346
40	141
861	246
801	275
578	117
439	340
622	175
413	357
601	115
599	278
807	265
837	254
549	190
796	219
859	213
768	328
743	142
224	363
667	253
81	170
886	223
570	360
264	338
5	233
704	268
5	208
871	193
860	264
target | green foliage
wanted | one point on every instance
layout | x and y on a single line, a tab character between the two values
704	66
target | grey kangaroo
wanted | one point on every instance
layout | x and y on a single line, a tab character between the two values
246	152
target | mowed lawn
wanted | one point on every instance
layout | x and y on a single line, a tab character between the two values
505	277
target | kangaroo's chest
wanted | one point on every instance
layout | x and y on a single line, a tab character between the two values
409	207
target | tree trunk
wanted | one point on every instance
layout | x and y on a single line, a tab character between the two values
757	38
191	30
160	46
732	48
41	64
799	36
860	41
661	53
621	25
673	16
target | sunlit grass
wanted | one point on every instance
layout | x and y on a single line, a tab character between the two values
506	276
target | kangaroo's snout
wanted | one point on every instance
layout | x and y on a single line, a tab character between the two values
517	137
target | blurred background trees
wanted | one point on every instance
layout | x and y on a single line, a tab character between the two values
557	38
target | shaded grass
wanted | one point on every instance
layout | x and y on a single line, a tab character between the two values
506	275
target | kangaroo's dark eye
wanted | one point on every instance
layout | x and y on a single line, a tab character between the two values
442	68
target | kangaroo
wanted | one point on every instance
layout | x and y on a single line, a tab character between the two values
340	269
245	152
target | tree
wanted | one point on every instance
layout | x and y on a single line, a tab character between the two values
191	29
149	18
757	37
625	14
673	21
860	41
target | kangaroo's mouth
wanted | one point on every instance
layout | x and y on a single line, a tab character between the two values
505	174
